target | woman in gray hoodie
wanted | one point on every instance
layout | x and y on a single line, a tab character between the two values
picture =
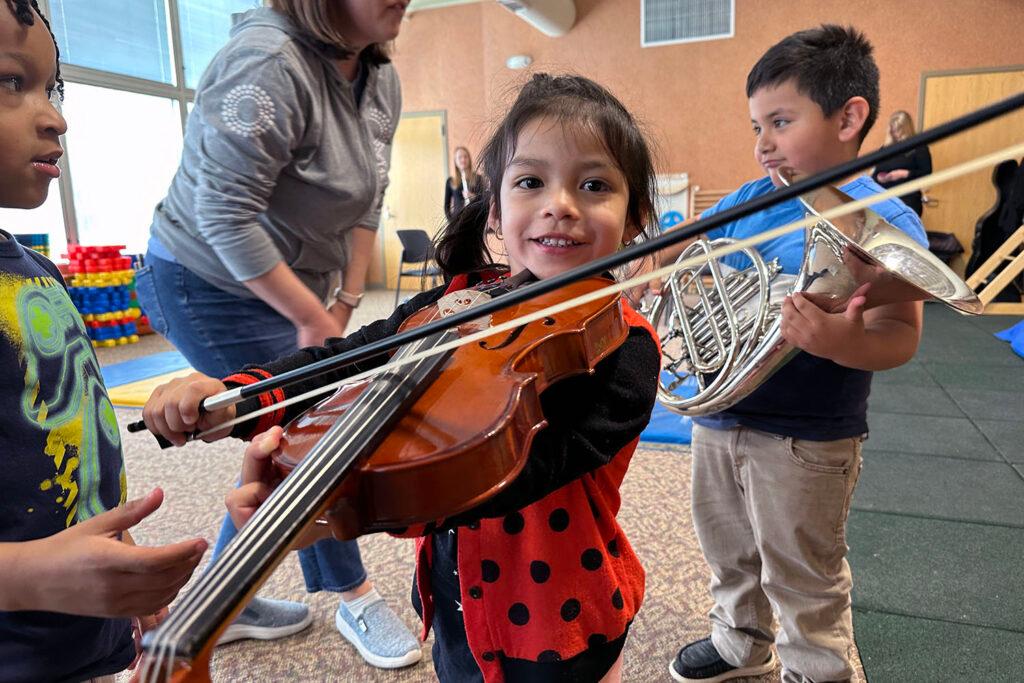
262	243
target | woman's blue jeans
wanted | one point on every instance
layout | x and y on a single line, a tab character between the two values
219	333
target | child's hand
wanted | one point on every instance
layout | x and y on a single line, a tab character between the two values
87	570
142	625
259	479
826	335
149	622
172	410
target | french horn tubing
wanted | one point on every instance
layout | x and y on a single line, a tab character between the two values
720	327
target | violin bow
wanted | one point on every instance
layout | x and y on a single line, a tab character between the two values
845	209
645	248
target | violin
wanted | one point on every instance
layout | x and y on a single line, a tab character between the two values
399	449
339	464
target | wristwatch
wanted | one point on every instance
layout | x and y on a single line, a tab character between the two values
349	299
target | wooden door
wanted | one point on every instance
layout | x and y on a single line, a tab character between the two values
962	201
415	194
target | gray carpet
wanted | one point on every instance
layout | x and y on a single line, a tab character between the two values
655	515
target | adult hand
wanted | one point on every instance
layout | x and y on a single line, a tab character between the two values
172	410
315	331
87	570
898	174
342	313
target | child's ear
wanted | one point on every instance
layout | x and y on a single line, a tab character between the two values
630	233
493	220
852	117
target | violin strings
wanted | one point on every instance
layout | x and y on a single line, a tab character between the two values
290	493
218	577
739	245
290	490
296	480
188	604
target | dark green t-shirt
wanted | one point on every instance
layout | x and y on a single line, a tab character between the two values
60	454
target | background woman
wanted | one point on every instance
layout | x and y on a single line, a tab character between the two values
914	164
461	187
263	241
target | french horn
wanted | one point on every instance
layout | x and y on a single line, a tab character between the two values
720	327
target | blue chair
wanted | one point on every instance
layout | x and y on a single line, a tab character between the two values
418	250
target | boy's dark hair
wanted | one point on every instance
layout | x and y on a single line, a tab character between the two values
830	64
26	11
578	104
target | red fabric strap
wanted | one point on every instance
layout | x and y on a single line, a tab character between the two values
270	398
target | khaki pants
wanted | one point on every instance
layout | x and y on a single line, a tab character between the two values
770	514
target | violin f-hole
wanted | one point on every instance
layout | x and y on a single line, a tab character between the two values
513	335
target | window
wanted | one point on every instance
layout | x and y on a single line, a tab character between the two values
205	25
47	219
664	22
123	149
131	68
127	38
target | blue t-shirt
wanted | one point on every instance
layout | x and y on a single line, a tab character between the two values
808	397
60	454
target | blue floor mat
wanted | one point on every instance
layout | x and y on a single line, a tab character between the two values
143	368
669	427
1014	335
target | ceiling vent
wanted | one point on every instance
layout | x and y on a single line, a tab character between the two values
553	18
665	22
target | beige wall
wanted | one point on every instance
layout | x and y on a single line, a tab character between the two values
691	96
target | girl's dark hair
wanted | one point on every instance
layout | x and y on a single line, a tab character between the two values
25	11
578	104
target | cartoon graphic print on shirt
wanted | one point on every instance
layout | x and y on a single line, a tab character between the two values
62	394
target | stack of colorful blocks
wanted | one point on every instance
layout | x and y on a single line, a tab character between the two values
102	285
36	241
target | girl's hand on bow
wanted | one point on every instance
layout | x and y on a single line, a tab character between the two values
172	410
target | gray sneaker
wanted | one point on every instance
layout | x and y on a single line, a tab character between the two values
265	619
378	634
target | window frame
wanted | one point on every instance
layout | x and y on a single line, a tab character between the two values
177	92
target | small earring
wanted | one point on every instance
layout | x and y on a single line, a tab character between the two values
497	233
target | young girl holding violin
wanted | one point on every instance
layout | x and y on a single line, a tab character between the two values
537	583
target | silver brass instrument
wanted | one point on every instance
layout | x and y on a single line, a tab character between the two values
720	327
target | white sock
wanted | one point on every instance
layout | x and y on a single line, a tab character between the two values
355	607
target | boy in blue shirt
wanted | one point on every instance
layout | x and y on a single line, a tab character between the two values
72	579
774	474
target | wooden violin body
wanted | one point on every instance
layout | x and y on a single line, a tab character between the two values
469	434
405	447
